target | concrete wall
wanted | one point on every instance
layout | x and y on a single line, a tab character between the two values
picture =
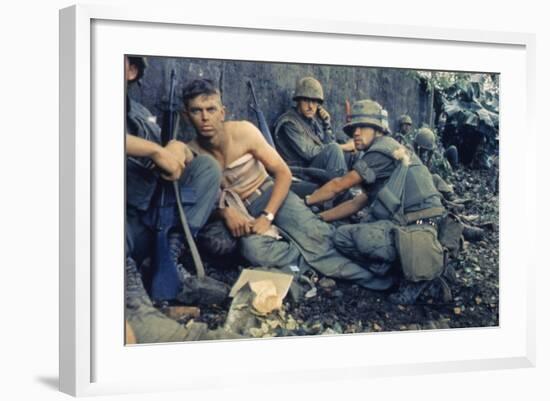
396	89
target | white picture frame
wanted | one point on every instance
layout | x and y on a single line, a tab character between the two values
93	359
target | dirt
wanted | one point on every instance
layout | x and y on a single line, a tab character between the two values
348	308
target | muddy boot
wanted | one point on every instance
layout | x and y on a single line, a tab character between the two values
195	291
149	325
408	292
439	291
473	234
206	291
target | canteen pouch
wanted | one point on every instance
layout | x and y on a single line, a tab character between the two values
420	253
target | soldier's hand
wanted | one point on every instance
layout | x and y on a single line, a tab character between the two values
260	225
349	146
178	150
323	113
237	224
169	163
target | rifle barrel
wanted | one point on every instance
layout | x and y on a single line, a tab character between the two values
251	86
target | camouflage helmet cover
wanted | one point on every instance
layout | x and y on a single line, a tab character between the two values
367	113
141	63
404	119
309	88
425	138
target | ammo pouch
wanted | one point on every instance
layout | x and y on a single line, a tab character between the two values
420	253
450	233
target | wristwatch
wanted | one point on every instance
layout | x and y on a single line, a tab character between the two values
269	216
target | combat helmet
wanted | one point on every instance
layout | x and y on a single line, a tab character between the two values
425	138
309	88
367	113
141	63
404	119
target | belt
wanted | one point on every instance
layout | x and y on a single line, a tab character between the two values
268	183
425	214
432	221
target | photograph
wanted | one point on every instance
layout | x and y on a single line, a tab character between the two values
276	199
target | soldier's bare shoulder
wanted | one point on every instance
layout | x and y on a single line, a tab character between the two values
241	129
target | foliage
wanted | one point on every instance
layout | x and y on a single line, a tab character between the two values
443	80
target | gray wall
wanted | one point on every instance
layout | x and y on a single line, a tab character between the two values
396	89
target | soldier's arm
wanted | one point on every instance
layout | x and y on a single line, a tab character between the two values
170	159
276	166
345	209
334	187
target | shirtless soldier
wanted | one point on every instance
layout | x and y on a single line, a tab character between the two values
258	207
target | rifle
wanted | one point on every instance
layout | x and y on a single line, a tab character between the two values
166	283
264	128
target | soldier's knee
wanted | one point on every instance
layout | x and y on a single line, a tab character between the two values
334	149
207	167
342	237
250	250
451	153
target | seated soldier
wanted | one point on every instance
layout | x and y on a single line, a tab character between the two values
201	175
304	138
258	208
405	130
399	194
426	149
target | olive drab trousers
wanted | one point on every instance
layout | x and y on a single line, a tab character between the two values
307	244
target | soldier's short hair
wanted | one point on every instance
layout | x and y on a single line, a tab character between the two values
140	63
199	87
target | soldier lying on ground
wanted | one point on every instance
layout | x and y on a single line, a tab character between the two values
303	135
258	208
404	207
201	174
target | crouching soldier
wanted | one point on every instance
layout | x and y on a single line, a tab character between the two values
404	207
405	130
425	148
304	137
148	164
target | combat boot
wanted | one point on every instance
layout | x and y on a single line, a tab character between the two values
195	291
473	234
148	324
439	291
408	292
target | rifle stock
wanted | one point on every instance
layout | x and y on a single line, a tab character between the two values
165	283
